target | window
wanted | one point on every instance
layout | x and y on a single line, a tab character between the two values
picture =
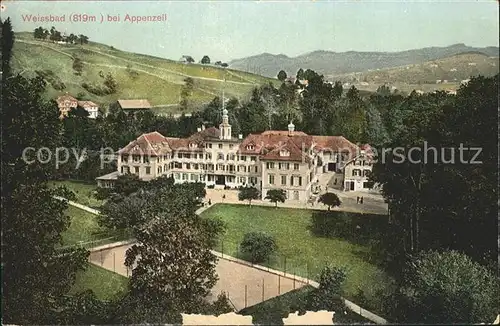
166	157
231	168
195	166
145	159
356	172
295	166
148	170
178	165
250	147
256	169
356	162
159	169
136	169
220	156
184	176
243	158
165	167
270	165
124	158
366	173
193	145
287	166
241	168
300	181
202	177
242	180
194	177
186	155
209	145
284	152
220	167
125	169
271	179
230	146
253	180
283	180
136	158
208	156
177	176
253	158
188	166
220	146
230	157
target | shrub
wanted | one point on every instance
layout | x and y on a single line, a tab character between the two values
448	287
258	246
329	294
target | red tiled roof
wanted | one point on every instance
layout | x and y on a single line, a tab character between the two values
270	141
153	143
66	97
87	104
294	153
334	144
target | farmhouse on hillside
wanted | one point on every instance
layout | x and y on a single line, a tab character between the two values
65	103
90	107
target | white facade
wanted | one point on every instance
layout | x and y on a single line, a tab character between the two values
271	160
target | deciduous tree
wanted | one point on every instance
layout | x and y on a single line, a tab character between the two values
282	75
205	60
330	199
448	288
275	196
248	193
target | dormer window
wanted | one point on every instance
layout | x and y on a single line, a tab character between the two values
250	147
193	145
284	152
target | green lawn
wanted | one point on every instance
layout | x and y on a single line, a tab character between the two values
303	247
272	311
83	228
106	285
153	74
83	192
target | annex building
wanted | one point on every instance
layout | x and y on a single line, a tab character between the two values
289	160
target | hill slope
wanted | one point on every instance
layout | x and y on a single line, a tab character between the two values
138	76
335	63
452	69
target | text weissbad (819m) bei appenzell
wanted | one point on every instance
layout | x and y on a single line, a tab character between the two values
108	18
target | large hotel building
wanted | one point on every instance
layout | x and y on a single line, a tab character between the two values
289	160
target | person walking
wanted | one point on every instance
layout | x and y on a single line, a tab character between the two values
361	200
357	200
209	202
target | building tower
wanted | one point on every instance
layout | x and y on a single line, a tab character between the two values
224	127
291	129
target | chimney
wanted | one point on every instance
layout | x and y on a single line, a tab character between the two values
240	136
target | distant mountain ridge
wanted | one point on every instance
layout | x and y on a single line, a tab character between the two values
335	63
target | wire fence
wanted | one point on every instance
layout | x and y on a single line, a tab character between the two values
279	262
100	239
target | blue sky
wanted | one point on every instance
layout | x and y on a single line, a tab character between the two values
227	30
